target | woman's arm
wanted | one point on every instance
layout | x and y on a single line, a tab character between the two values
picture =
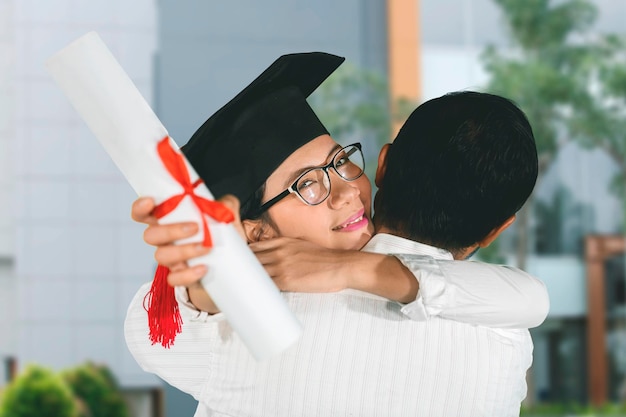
477	293
467	291
296	265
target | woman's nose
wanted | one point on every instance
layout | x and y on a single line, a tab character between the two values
341	191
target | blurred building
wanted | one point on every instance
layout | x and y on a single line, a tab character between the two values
8	286
71	259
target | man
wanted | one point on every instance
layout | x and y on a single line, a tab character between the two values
471	163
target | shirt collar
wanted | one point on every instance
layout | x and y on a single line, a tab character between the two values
386	243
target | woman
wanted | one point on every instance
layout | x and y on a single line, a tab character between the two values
308	188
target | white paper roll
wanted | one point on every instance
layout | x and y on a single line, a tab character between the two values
126	126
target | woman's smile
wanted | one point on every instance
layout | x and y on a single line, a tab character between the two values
353	223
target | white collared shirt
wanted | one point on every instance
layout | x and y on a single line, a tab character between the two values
359	355
491	295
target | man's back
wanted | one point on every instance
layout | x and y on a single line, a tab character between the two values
359	355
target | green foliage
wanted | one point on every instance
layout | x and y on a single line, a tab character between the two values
537	23
547	68
353	104
600	122
573	410
570	81
87	390
38	392
97	388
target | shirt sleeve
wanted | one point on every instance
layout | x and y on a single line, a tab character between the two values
476	293
186	364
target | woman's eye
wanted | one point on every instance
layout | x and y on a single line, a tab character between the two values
304	184
341	161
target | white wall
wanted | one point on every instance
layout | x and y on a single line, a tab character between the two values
447	68
79	257
565	279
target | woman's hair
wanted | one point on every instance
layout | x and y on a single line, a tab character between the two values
249	210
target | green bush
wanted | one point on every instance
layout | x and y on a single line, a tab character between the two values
38	392
574	410
97	389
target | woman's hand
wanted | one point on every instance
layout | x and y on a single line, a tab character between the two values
299	266
163	236
175	257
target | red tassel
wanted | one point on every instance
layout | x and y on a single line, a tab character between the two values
163	313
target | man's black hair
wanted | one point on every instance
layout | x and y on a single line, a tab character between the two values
460	166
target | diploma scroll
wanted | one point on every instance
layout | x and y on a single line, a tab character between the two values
123	122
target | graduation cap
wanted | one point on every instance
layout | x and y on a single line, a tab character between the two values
239	146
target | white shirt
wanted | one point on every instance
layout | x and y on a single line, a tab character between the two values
359	354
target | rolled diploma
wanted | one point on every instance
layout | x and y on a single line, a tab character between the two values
126	126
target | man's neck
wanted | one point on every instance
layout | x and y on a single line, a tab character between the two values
467	253
458	255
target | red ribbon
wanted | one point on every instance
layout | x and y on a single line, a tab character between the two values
175	164
164	318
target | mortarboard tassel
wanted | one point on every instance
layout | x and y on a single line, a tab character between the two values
164	318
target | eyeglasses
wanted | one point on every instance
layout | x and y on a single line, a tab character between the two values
313	186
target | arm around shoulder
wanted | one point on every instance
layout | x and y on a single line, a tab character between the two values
477	293
382	275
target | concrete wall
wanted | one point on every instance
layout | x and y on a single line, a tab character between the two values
78	256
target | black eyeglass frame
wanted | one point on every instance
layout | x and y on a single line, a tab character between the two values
293	190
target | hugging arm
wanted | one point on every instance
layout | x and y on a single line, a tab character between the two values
466	291
477	293
471	292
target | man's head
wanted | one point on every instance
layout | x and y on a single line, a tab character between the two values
460	168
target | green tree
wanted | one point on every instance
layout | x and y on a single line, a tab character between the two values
38	392
568	79
98	390
353	103
600	122
546	70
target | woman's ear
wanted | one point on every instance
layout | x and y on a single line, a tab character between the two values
258	230
382	165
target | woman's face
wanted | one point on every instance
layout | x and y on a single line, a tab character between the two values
342	221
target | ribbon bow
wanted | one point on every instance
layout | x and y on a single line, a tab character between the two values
164	318
175	164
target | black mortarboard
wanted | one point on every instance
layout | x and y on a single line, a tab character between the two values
239	146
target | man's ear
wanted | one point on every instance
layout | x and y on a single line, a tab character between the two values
486	241
382	165
258	230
